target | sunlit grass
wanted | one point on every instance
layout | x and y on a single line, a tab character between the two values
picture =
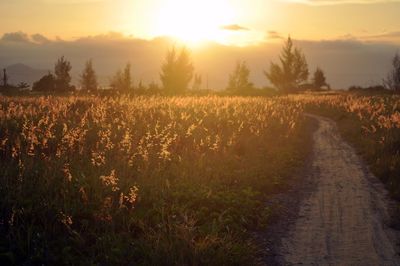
372	124
149	180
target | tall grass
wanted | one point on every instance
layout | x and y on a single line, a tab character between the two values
141	181
372	124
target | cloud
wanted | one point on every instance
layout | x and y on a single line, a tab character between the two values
9	39
346	61
22	37
110	36
16	37
234	27
339	2
71	1
342	45
385	35
273	35
39	38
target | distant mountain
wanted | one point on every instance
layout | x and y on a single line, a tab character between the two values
22	73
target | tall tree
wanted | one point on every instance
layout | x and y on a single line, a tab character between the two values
392	82
293	70
141	86
177	71
127	78
46	84
5	78
239	79
198	80
319	79
116	80
122	80
89	78
22	85
153	87
62	75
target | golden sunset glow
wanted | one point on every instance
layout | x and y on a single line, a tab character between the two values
199	132
194	21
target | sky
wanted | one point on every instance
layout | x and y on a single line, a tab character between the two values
352	40
303	19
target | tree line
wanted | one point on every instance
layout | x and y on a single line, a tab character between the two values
289	75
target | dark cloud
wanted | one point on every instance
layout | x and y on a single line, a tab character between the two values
111	36
346	61
19	37
271	35
386	35
336	45
39	38
234	27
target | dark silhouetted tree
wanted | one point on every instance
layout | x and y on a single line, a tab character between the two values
22	85
122	80
153	87
127	79
5	78
177	71
141	86
293	70
239	79
62	75
392	82
116	81
89	78
46	84
319	79
197	82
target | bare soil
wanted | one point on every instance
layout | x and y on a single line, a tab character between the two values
344	215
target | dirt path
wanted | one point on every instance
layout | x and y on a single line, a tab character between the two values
344	221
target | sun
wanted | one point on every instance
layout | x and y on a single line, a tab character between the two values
194	21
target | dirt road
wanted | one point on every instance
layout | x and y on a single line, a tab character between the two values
344	221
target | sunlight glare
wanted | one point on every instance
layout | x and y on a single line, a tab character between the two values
194	21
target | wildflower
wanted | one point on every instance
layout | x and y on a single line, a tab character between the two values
110	181
132	195
98	158
65	219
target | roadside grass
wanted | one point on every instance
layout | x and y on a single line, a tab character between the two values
143	181
372	127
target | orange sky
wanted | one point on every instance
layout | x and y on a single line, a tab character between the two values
249	21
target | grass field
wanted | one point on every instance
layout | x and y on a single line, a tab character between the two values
165	181
145	180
